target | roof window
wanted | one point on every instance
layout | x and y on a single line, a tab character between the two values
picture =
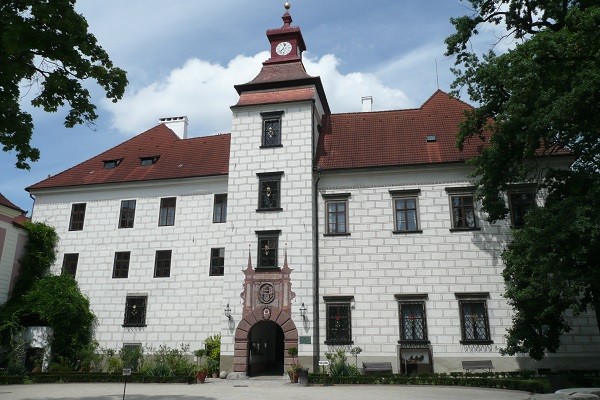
430	138
145	161
110	164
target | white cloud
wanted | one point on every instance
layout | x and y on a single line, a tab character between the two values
204	92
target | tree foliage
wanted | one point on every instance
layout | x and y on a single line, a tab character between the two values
43	299
539	99
45	45
58	303
553	265
38	257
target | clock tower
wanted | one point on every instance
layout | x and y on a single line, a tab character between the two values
287	43
271	220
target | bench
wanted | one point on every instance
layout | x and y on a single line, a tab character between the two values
480	364
377	367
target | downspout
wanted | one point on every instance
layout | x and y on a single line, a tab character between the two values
316	331
32	206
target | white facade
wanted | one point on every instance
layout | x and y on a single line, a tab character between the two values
12	242
350	284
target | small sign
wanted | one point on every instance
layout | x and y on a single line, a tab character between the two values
304	339
323	363
126	371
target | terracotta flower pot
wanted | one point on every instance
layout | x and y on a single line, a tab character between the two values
201	376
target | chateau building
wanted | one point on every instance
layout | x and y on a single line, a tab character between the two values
13	237
299	228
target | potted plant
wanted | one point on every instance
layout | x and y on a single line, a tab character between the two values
201	372
294	369
213	366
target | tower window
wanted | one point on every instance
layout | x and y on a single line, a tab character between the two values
271	129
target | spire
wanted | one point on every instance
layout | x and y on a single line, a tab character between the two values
287	18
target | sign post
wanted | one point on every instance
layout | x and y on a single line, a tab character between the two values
323	364
126	373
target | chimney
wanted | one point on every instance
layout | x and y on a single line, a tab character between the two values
176	124
367	103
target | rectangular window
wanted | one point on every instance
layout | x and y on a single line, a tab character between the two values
413	322
338	320
135	311
70	264
166	216
336	210
271	136
220	208
463	211
520	204
406	211
127	214
162	264
121	264
217	262
268	242
474	320
77	217
269	192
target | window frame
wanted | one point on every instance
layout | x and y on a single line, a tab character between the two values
130	302
403	195
343	334
127	214
337	199
479	299
217	262
164	217
121	265
270	117
220	208
519	191
463	193
273	238
69	265
162	263
406	300
263	178
77	219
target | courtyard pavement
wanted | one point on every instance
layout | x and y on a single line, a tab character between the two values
250	389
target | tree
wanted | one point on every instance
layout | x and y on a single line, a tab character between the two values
46	44
539	99
57	302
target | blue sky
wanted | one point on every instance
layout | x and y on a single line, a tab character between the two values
184	56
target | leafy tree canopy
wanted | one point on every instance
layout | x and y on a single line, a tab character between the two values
543	96
45	45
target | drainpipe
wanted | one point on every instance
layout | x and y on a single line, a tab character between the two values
32	206
316	331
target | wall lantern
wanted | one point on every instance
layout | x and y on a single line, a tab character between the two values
227	312
303	312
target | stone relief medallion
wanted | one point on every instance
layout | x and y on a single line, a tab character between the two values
266	293
266	313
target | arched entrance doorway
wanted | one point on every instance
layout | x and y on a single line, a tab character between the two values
266	349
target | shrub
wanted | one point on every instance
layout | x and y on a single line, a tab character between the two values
338	364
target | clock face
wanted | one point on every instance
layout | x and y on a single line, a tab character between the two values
283	48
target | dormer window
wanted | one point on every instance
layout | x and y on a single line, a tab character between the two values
145	161
110	164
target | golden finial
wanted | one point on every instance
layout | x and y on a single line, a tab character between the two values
287	5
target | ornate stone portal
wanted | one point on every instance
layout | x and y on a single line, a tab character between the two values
267	296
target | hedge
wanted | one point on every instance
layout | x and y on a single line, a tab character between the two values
537	385
83	377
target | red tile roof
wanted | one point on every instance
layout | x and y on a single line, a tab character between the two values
392	138
276	96
7	203
178	158
280	72
20	220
